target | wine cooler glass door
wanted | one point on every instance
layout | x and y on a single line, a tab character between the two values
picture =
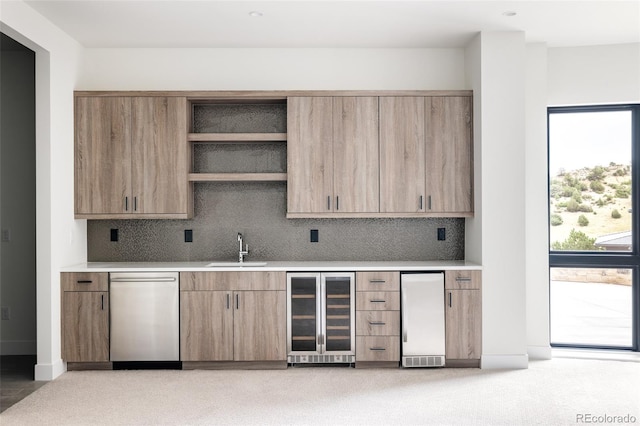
305	325
338	291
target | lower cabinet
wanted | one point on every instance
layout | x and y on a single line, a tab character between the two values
233	316
85	317
463	318
378	319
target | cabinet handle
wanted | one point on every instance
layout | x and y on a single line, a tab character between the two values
377	323
377	301
126	204
328	202
135	204
420	203
429	201
237	301
228	300
375	281
102	302
449	299
84	281
377	349
337	202
459	279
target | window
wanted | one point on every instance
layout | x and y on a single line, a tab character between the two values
594	153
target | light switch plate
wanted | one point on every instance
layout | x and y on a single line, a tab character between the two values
6	235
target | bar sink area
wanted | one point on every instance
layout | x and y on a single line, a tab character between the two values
234	264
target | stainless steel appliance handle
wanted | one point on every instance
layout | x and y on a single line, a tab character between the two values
403	309
143	280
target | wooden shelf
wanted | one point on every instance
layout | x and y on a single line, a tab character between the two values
237	137
237	177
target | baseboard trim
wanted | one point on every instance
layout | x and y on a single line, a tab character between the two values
539	352
18	347
504	361
48	372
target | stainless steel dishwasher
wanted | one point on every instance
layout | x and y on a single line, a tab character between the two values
145	320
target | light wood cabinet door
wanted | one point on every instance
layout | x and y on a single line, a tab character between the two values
102	154
85	326
260	326
402	154
449	156
206	326
463	324
309	154
159	155
356	163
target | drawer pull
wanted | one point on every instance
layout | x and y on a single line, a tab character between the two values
84	281
377	301
377	281
377	349
377	323
459	279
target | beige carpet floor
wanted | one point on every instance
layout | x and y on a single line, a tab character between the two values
555	392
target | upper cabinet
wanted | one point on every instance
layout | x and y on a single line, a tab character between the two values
131	158
332	156
386	156
449	149
426	156
402	151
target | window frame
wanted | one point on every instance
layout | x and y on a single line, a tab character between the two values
604	259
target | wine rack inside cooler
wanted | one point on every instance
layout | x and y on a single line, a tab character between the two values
339	313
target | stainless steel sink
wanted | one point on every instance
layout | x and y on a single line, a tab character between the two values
234	264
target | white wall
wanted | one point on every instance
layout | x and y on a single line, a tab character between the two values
271	69
536	201
60	240
594	74
496	70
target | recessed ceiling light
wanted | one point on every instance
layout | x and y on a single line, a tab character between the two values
255	13
509	13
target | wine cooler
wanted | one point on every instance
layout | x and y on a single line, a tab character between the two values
321	318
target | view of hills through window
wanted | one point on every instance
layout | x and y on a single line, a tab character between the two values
590	185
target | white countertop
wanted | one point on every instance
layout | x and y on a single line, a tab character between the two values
434	265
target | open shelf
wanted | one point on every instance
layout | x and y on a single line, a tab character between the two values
237	177
237	137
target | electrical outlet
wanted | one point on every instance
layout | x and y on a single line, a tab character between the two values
6	235
442	234
6	313
188	235
314	236
114	234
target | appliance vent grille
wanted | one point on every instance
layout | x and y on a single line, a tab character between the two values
423	361
321	359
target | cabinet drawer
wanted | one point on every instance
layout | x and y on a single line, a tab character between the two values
378	323
232	280
378	301
462	280
84	281
378	281
378	348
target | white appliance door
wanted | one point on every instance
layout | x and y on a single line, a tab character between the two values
423	314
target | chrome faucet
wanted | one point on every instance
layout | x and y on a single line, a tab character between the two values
242	253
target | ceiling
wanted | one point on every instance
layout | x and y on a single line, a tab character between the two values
323	23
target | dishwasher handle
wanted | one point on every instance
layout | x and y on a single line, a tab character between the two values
144	280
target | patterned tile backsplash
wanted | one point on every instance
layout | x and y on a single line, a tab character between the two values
258	210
